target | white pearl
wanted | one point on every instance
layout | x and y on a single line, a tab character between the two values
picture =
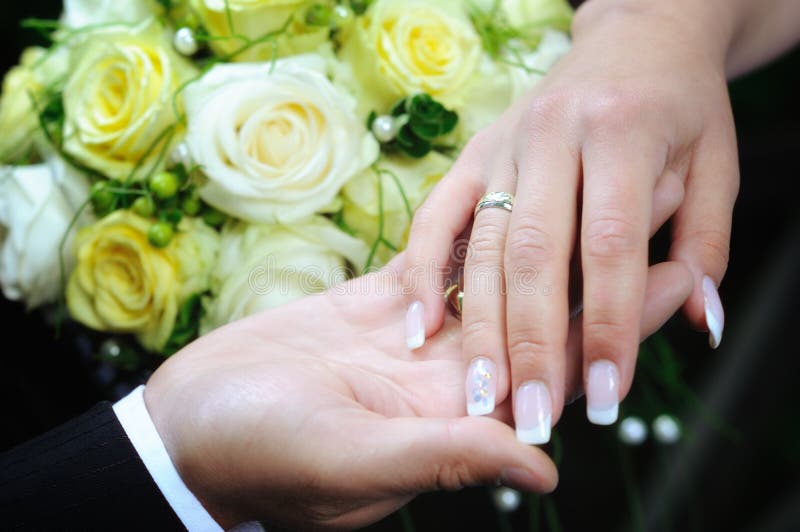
384	128
341	14
180	155
110	349
185	42
507	499
666	429
632	431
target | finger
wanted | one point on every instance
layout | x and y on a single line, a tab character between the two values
414	455
702	227
620	171
538	248
483	314
668	286
667	199
436	225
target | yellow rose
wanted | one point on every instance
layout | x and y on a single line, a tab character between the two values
118	99
38	68
416	177
123	284
402	47
254	19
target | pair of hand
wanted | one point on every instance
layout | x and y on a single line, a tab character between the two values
314	415
633	127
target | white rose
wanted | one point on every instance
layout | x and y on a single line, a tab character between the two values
265	266
502	84
82	13
37	205
276	144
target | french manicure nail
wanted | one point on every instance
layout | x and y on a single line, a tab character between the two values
415	325
533	413
602	393
715	315
481	387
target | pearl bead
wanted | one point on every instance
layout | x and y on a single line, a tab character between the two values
180	155
341	14
185	42
110	349
507	499
632	431
666	429
384	128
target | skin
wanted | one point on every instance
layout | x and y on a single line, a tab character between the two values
638	106
310	416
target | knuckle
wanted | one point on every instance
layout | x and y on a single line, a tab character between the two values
529	244
453	476
487	239
611	236
478	328
606	334
612	108
423	219
714	245
526	343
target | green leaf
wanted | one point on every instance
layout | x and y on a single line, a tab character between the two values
449	122
187	325
425	130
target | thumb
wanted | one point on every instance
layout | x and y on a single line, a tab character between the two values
415	455
702	227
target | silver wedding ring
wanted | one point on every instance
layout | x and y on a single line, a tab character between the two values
495	200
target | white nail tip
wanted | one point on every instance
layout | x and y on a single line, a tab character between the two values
607	416
715	314
714	331
479	409
415	326
538	435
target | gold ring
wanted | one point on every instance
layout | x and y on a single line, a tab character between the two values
454	298
495	200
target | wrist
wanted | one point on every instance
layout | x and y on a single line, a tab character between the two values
706	27
203	486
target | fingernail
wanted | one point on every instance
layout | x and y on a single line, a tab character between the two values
481	387
415	325
519	479
533	413
715	315
602	393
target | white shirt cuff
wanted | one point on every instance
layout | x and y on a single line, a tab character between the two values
135	419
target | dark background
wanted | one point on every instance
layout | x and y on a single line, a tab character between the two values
738	473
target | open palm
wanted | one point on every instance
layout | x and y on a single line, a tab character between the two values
317	415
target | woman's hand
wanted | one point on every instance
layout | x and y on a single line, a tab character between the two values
634	116
315	415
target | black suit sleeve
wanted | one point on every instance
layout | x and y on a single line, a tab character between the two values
83	475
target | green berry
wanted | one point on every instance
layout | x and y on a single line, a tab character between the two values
164	185
102	197
214	218
318	15
191	205
160	234
144	206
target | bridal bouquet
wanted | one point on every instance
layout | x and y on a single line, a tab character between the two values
170	166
